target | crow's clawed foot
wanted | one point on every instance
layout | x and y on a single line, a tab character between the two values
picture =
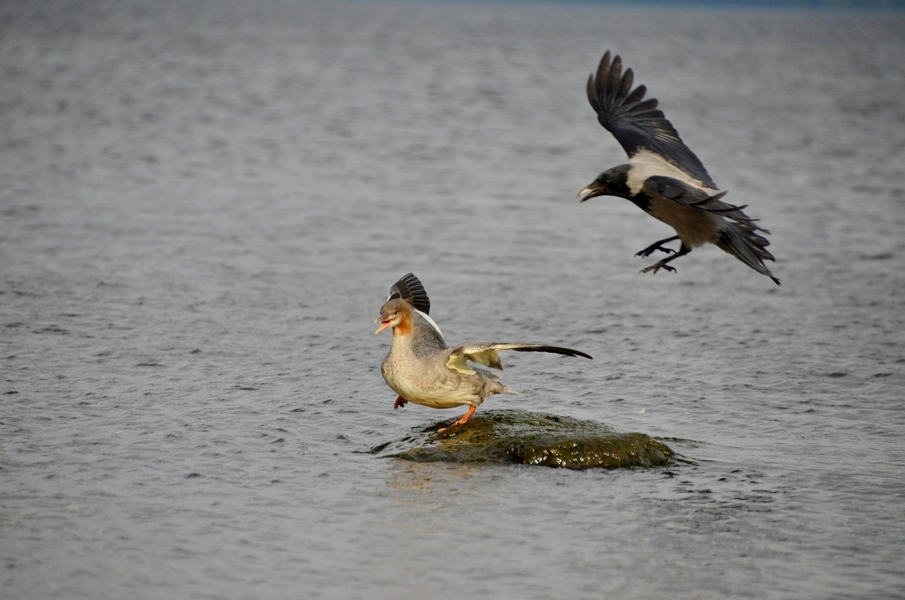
400	402
658	245
653	248
657	266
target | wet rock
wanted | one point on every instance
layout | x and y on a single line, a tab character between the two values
505	436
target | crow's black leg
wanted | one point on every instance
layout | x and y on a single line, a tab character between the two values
658	246
662	264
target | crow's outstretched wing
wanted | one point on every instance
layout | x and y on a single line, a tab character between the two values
636	123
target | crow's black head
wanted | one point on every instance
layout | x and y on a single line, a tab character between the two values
613	182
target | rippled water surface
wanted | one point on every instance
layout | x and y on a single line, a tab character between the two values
203	205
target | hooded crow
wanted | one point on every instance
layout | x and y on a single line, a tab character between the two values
664	178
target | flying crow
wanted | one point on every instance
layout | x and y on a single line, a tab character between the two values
664	178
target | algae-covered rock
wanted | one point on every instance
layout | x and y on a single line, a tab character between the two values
505	436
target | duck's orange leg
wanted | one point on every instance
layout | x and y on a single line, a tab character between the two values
463	420
400	401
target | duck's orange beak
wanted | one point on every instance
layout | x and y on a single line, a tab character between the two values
384	323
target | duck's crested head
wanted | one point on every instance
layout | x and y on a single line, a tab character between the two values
394	313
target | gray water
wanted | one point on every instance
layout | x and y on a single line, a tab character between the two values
204	204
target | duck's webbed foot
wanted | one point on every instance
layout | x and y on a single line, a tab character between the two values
461	421
400	402
658	246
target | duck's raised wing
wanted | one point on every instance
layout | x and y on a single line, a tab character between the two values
410	289
488	354
636	123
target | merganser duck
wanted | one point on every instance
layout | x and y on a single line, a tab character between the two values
422	369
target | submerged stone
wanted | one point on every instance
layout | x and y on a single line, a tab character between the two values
506	436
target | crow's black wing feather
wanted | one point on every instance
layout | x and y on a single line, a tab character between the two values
678	191
636	123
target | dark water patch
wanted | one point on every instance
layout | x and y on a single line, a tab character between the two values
52	329
507	436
